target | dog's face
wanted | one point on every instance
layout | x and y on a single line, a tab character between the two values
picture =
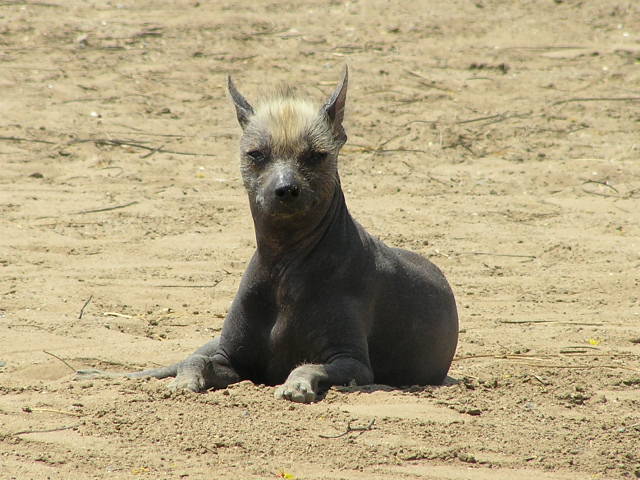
289	150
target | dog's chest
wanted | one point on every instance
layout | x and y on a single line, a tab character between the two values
294	329
293	339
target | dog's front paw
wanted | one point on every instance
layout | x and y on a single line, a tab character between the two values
299	391
187	381
191	374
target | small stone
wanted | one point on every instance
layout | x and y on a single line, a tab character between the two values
466	458
82	40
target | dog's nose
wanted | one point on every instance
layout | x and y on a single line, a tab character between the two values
287	192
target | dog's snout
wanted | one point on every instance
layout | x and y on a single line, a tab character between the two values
287	191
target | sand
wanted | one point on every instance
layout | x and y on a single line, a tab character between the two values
499	139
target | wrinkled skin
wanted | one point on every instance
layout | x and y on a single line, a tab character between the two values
321	302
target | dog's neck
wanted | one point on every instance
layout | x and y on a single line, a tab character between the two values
281	243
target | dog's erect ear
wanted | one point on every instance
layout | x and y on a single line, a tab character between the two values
243	109
334	108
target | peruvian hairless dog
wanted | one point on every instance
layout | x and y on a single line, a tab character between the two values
322	302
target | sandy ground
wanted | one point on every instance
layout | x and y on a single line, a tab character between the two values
499	139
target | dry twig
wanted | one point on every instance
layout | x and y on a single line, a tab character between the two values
47	430
540	380
191	286
376	150
114	142
351	429
105	209
84	306
155	150
524	322
579	367
541	360
604	183
63	361
32	140
116	314
30	4
597	99
499	254
589	324
52	410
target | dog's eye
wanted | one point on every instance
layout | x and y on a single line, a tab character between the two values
316	157
257	156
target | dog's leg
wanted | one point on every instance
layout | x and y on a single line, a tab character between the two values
198	372
305	382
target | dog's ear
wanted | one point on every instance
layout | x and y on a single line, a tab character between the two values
243	109
334	108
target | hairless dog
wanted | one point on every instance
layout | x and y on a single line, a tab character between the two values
322	302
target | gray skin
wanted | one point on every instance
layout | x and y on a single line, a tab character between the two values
322	302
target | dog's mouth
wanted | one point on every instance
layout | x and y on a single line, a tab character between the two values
288	211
